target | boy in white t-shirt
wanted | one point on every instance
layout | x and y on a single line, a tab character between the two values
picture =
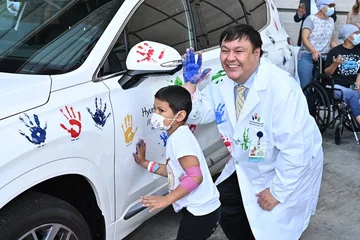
191	188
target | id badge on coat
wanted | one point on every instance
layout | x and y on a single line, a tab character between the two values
257	148
257	154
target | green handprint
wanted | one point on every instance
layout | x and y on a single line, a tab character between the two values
245	143
178	81
217	78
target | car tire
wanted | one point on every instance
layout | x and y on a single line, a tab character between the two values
41	214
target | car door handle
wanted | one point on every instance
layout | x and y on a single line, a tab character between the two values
172	64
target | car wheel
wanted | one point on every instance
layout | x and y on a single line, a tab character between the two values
35	216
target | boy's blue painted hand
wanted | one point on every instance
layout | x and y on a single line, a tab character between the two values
137	145
192	70
155	202
139	155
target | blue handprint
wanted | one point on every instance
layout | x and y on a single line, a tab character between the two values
99	116
219	113
192	71
38	134
164	137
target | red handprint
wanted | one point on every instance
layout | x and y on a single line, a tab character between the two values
227	142
192	127
147	51
73	121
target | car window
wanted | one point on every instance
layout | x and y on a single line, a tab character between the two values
51	36
163	21
211	17
257	12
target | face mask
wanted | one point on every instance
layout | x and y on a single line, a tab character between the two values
330	11
356	39
157	121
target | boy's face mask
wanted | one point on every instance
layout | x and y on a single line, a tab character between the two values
157	121
356	39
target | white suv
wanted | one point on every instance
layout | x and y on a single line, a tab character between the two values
71	112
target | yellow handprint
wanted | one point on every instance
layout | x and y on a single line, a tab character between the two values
127	129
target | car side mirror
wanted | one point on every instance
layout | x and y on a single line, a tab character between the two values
152	56
149	58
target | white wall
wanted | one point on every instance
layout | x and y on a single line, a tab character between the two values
287	9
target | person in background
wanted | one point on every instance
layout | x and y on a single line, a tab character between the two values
343	64
353	16
317	38
306	8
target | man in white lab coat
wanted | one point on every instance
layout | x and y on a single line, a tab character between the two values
270	187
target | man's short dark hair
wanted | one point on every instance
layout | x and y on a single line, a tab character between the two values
240	31
177	97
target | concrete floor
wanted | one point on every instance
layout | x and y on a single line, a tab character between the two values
338	214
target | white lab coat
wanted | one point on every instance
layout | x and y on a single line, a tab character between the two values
293	163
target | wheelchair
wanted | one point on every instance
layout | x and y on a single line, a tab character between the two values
328	111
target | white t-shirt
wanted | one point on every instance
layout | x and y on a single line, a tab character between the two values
205	198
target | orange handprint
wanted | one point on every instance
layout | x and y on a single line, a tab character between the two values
73	121
128	129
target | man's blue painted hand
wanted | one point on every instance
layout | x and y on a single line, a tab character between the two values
192	70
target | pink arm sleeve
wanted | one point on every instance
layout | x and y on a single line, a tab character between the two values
188	182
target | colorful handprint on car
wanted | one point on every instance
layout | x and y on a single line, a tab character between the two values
99	116
219	114
147	53
73	120
38	134
127	128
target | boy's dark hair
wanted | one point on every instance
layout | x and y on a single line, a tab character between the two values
237	32
177	97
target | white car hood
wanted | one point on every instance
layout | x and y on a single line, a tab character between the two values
21	92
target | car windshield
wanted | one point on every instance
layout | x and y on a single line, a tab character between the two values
51	36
